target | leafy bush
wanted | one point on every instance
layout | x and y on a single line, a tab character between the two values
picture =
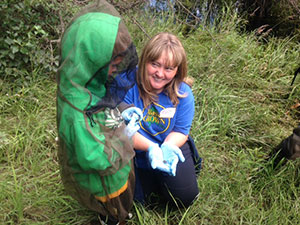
29	38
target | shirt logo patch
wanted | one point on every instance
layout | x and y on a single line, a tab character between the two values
152	122
153	117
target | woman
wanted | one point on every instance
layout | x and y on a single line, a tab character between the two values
164	154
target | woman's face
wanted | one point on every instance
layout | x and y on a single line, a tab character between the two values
159	73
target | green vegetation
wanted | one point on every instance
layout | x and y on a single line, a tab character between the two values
243	109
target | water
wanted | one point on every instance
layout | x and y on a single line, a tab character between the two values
202	11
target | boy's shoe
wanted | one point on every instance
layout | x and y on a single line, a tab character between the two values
107	220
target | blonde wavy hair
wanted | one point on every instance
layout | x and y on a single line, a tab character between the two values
163	43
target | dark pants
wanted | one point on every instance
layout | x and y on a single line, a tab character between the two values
182	188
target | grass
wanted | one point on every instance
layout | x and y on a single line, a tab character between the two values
243	110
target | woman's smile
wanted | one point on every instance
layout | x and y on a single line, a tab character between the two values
160	73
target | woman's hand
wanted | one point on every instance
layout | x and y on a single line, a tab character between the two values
156	160
171	155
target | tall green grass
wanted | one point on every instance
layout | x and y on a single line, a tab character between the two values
243	109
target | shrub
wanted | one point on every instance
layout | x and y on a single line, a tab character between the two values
29	38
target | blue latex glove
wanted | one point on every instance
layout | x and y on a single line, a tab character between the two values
128	113
171	155
133	126
156	158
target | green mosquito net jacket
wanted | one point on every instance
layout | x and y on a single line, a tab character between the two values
94	153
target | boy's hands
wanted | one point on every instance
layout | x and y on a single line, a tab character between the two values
127	114
133	126
132	117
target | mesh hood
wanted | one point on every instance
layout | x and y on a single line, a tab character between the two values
94	39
